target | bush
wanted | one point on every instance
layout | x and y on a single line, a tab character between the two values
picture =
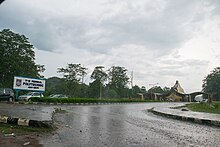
85	100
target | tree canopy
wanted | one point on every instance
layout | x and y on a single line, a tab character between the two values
115	87
118	81
118	77
17	58
211	83
73	72
98	74
156	89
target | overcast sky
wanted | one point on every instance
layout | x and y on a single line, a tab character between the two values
161	41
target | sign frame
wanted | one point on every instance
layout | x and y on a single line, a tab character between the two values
28	83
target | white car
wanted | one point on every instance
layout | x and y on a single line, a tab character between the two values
29	95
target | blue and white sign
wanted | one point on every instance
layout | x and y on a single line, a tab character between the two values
24	83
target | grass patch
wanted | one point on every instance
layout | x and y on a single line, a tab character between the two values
205	107
86	100
22	130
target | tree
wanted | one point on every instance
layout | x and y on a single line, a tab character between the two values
211	83
143	89
136	90
17	58
98	74
118	80
166	89
118	77
156	89
73	72
99	77
94	89
72	75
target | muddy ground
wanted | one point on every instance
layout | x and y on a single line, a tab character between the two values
20	141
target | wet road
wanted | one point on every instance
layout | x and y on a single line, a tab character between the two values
126	125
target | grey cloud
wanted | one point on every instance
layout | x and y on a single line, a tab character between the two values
214	5
188	62
173	73
181	68
30	23
164	31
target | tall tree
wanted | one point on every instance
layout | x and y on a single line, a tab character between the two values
118	77
73	72
17	58
99	76
72	75
211	83
118	80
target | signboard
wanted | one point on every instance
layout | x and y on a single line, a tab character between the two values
24	83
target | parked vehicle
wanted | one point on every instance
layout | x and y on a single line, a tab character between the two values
6	94
58	96
29	95
50	96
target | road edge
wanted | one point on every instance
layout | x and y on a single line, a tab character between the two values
25	122
185	118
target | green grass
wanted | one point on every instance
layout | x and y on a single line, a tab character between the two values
22	130
86	100
205	107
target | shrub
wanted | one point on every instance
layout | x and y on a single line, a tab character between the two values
85	100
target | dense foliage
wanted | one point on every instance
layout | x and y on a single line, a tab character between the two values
17	58
111	83
73	72
85	100
99	76
118	82
211	83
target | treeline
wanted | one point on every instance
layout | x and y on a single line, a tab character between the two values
17	58
111	83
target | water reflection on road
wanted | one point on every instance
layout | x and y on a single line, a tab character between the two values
126	125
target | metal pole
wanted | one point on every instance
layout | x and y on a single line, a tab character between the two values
16	96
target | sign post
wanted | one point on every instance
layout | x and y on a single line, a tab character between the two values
16	94
30	84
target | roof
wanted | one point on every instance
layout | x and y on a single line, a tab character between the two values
178	88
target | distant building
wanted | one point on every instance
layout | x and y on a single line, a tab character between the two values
153	96
176	93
